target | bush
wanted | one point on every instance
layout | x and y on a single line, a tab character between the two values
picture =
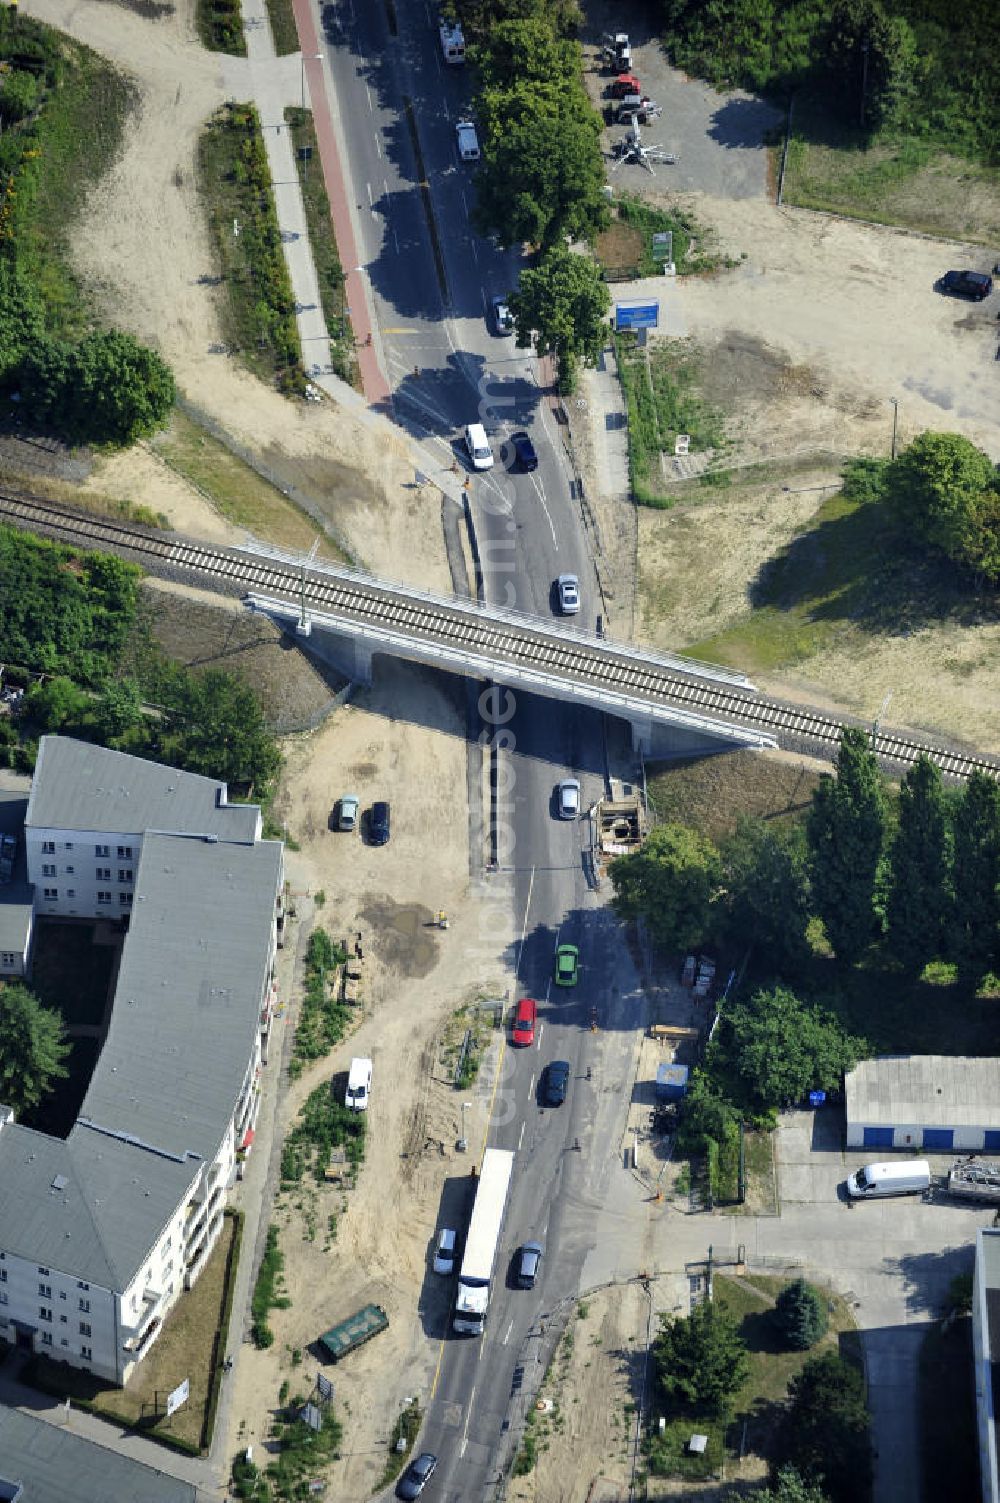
800	1315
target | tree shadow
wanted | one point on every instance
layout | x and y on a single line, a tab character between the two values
742	124
927	1276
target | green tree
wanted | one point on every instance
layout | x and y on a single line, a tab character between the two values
800	1314
788	1487
671	883
215	726
57	704
945	490
704	1114
122	389
825	1430
872	49
562	303
765	871
919	900
701	1359
846	829
525	51
541	180
32	1048
975	928
781	1048
117	709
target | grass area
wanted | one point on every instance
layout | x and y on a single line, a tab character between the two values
189	1347
259	305
668	1454
329	272
220	26
714	793
758	1148
323	1017
282	21
233	488
946	1399
324	1123
477	1018
406	1429
70	973
268	1291
301	1453
627	243
901	180
661	397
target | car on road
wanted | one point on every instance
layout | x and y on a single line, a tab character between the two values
568	587
974	284
528	1259
523	450
567	967
556	1082
468	141
444	1250
503	319
417	1475
568	797
478	447
523	1032
347	814
379	823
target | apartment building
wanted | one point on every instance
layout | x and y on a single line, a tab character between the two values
101	1232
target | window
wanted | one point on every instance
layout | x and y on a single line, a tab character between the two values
102	850
84	1328
45	1290
86	1352
69	845
44	1272
64	1320
44	1313
3	1299
79	1283
48	847
46	1338
71	892
71	871
7	957
103	874
48	871
85	1306
62	1294
104	897
124	874
64	1342
3	1275
125	899
124	853
50	892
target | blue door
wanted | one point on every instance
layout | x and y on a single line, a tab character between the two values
939	1139
878	1137
991	1140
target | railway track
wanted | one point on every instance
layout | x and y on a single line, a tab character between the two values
518	643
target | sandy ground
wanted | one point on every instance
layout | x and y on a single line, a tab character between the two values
414	978
142	247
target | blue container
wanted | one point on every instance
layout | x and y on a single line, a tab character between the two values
817	1098
671	1082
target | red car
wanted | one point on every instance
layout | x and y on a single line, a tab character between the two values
625	83
524	1022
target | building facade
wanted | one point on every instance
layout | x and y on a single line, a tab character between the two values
938	1103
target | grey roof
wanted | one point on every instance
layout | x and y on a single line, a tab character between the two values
187	1002
101	1221
55	1466
924	1090
82	787
988	1271
15	896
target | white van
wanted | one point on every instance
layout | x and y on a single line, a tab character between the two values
903	1177
468	141
478	446
359	1084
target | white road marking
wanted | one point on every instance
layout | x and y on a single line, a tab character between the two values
520	1136
507	1333
444	106
475	253
385	185
468	1412
541	496
395	238
378	146
502	504
371	107
524	926
371	204
465	206
541	1027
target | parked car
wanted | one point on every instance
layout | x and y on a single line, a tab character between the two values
568	795
503	319
347	814
359	1085
468	141
417	1476
528	1260
525	457
974	284
523	1032
567	967
379	823
556	1082
478	447
568	587
444	1250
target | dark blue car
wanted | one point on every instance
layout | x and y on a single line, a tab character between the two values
378	825
556	1082
525	457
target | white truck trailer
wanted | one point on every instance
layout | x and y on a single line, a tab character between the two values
482	1241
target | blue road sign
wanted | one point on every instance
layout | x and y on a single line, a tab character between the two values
637	315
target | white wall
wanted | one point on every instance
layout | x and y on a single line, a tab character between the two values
75	871
70	1306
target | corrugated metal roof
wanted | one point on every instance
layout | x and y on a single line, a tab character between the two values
56	1466
924	1090
187	1003
82	787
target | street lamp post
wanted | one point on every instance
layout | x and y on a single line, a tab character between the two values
463	1141
316	57
895	421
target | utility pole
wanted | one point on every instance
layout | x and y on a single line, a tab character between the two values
895	421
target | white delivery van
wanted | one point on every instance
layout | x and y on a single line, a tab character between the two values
902	1177
478	446
468	141
452	42
359	1084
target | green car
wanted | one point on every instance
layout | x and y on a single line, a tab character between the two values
567	965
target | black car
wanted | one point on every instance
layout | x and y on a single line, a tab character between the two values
417	1476
528	1259
378	827
974	284
524	451
556	1081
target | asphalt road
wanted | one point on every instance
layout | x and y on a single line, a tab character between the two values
445	364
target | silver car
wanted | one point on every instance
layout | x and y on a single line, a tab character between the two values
568	794
569	594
